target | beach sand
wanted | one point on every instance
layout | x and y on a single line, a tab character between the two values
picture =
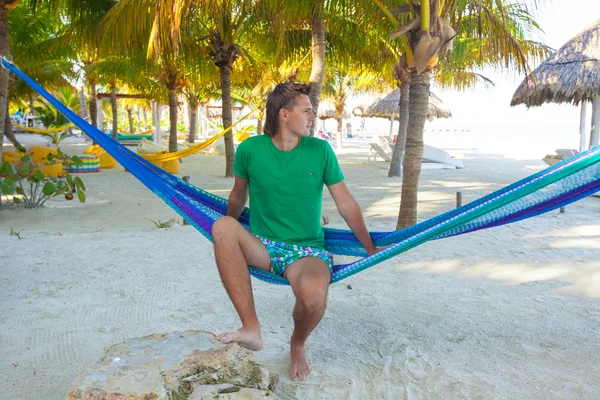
508	313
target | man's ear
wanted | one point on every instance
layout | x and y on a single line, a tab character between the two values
283	114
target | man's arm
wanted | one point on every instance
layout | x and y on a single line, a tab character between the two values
350	211
237	197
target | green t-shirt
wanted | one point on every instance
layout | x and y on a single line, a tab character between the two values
286	188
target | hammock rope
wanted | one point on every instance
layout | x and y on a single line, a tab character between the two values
549	189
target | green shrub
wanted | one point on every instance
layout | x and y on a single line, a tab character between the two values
25	181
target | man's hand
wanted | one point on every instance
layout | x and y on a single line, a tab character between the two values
373	250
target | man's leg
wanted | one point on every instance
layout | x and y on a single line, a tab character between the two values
309	278
235	249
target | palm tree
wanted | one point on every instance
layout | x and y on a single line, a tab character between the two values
141	29
336	26
228	31
115	72
66	10
491	32
30	35
340	84
198	86
81	35
5	7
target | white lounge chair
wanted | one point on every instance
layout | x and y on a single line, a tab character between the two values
377	149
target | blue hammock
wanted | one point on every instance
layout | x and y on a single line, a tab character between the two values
554	187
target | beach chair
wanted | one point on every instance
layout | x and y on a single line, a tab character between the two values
561	154
375	150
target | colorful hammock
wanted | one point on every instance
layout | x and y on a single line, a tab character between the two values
39	130
149	131
554	187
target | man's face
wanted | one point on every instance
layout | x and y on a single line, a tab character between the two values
300	118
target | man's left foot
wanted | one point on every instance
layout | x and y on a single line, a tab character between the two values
299	366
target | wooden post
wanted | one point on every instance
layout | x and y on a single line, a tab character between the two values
458	199
186	179
595	134
99	116
582	127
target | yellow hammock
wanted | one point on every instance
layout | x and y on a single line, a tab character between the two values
195	148
139	133
36	130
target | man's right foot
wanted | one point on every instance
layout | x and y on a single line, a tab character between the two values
250	339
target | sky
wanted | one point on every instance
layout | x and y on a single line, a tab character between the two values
481	106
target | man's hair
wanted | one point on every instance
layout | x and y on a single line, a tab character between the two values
283	96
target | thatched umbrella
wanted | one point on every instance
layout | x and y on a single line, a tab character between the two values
388	107
327	110
570	75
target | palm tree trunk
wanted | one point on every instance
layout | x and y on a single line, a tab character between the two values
130	116
400	146
317	25
227	120
138	113
595	132
418	104
113	103
10	135
259	121
93	103
173	116
193	120
145	116
82	104
339	133
4	51
31	104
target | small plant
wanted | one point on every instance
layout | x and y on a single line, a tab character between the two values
56	137
27	185
167	224
15	233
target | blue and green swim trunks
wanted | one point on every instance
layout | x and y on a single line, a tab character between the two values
283	254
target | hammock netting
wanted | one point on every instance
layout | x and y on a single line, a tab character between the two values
549	189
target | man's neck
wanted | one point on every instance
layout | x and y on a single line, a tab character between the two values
286	141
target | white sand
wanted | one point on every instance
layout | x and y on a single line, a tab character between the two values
507	313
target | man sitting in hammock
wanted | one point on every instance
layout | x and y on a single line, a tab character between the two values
284	172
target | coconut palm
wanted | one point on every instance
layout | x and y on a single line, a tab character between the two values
341	28
81	35
488	33
115	72
30	37
339	85
198	87
67	10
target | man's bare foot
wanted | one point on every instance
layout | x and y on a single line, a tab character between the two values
299	366
251	339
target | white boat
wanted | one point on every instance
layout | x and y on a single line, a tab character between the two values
439	156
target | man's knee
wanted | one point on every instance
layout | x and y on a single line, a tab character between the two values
312	295
224	226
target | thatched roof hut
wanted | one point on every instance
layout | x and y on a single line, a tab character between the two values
570	75
388	107
327	110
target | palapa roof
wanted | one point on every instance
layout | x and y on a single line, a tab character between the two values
327	110
389	105
570	75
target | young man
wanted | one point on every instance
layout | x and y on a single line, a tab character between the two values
284	172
